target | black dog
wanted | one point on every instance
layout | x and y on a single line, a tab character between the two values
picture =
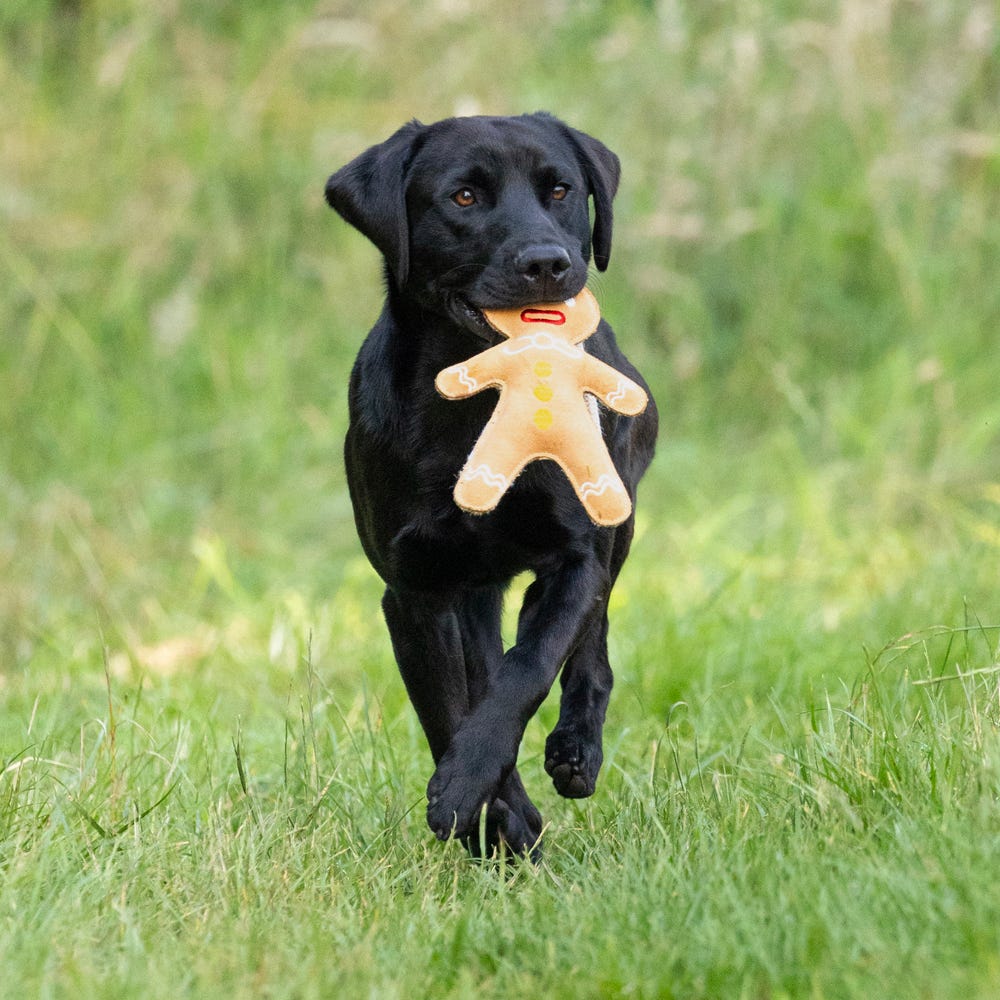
472	214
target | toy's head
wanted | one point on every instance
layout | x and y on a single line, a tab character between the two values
573	320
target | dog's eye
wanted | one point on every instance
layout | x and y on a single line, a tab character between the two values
464	197
559	192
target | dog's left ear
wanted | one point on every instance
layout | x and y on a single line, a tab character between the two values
370	193
602	169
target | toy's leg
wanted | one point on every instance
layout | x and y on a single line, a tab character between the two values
489	470
597	482
573	751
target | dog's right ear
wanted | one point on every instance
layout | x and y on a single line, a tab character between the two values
370	193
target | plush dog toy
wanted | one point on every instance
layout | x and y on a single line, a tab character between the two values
547	386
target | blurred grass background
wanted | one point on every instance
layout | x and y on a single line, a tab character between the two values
805	265
805	268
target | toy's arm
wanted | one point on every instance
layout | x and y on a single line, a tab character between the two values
616	391
469	377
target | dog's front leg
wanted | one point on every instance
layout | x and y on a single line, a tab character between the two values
446	649
484	749
427	640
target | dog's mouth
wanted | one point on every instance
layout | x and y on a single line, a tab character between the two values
471	317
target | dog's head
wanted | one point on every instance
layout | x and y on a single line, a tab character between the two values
483	213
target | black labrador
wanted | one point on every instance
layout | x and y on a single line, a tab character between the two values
472	214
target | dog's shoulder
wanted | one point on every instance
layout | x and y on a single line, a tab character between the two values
392	398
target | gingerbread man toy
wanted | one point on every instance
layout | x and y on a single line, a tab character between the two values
547	385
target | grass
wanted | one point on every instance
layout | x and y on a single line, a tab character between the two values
210	780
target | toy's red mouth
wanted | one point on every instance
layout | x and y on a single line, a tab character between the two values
535	315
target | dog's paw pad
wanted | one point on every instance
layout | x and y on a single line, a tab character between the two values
570	783
572	764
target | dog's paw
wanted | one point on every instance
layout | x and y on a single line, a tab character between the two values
573	762
456	795
514	827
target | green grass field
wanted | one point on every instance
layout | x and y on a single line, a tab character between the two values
211	783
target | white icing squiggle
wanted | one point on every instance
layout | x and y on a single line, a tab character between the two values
462	371
541	342
599	488
487	475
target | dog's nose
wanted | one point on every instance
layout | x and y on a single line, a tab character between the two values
545	262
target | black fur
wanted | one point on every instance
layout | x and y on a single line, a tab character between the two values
516	243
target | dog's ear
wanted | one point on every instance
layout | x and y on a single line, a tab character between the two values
602	169
370	193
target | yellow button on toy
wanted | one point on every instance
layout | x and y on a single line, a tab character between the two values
543	419
543	392
543	369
